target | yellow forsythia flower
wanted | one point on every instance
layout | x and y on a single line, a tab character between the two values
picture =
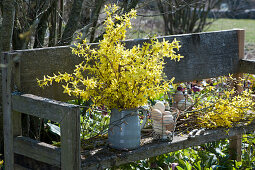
118	77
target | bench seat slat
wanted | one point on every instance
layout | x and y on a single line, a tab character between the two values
37	150
105	157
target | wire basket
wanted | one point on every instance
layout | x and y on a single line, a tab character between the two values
164	128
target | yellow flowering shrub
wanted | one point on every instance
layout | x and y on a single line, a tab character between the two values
118	77
224	107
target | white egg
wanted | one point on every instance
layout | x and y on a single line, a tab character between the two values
156	114
158	127
167	113
167	119
160	105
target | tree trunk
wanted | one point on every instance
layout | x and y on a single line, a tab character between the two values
185	16
71	25
7	25
128	5
164	15
95	15
60	19
17	42
42	25
53	25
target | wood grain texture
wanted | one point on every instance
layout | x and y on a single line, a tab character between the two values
19	167
1	116
235	142
206	55
241	42
7	112
37	150
40	107
68	115
70	140
247	66
17	126
105	157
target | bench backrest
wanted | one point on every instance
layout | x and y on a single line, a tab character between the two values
206	55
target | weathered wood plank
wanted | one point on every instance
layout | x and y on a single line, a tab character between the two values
17	126
105	157
70	140
235	142
18	167
206	55
247	66
1	115
40	107
7	112
37	150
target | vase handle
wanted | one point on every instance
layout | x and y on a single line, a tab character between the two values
144	118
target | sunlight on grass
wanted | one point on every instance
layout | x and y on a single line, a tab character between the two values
247	24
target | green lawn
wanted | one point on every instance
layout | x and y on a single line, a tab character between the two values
247	24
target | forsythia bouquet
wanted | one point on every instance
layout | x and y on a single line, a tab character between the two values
113	75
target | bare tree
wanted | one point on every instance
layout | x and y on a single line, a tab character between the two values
72	23
237	5
125	6
7	24
43	24
90	17
185	16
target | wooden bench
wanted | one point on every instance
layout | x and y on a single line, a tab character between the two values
206	55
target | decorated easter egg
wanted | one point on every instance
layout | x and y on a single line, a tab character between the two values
156	114
160	106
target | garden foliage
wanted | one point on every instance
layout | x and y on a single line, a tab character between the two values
219	104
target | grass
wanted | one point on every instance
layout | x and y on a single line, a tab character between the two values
247	24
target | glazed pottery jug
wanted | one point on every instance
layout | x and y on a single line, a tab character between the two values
125	128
